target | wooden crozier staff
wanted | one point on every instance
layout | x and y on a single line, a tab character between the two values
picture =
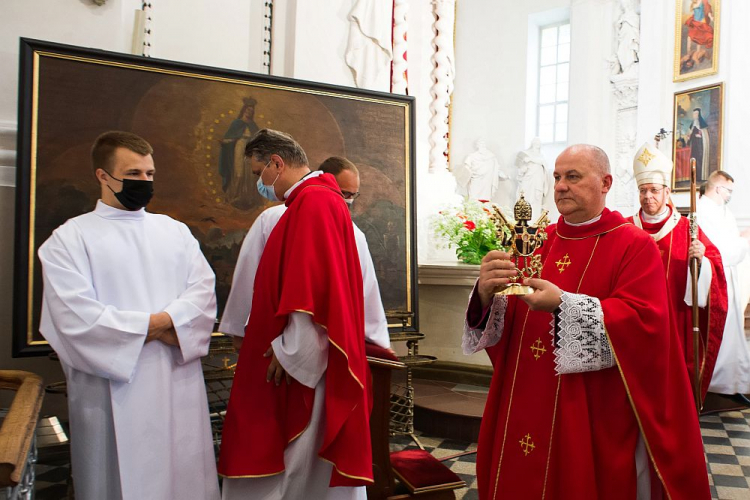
694	279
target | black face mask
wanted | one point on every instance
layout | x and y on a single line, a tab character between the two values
135	194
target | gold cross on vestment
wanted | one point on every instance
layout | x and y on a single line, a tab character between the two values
538	348
527	445
227	365
562	263
646	157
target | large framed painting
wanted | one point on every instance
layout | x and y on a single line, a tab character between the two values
698	117
696	45
198	120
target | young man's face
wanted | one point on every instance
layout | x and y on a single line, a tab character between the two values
126	164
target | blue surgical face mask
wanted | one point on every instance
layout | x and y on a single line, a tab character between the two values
267	192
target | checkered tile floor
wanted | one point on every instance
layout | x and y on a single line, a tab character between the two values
726	440
726	437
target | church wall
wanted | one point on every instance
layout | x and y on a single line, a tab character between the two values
490	103
109	27
209	33
321	36
655	106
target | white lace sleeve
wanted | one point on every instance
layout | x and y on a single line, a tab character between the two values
580	337
474	339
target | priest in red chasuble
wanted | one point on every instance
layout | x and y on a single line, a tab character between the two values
297	423
590	397
671	232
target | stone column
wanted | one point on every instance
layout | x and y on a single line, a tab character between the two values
626	121
399	78
443	73
625	68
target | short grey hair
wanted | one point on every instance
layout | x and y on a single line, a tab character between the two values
596	155
267	142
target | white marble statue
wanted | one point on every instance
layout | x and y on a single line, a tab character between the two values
628	28
480	177
368	52
534	179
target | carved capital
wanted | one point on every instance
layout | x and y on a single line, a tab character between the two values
625	91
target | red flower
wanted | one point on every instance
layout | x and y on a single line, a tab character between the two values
483	201
469	225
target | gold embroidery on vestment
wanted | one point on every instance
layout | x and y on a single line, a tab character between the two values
538	348
563	263
527	445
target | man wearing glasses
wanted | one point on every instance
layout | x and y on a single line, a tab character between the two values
732	372
671	232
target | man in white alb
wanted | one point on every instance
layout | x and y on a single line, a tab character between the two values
732	371
129	307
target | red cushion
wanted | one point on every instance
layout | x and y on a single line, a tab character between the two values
375	351
421	472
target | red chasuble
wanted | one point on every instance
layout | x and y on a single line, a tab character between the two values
673	246
310	264
574	436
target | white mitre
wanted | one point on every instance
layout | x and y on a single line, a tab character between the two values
651	166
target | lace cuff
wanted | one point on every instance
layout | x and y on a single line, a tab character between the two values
474	339
581	343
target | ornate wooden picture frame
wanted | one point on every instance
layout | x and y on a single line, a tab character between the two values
696	45
197	120
698	119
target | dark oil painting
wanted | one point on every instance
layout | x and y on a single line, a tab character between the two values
198	120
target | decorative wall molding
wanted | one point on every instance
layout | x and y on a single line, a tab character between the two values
443	74
626	93
399	76
625	64
448	273
624	184
8	133
147	10
267	34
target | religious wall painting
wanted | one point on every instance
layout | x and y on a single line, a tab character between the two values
696	50
698	118
198	120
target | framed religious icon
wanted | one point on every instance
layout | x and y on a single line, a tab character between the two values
698	117
696	46
198	120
